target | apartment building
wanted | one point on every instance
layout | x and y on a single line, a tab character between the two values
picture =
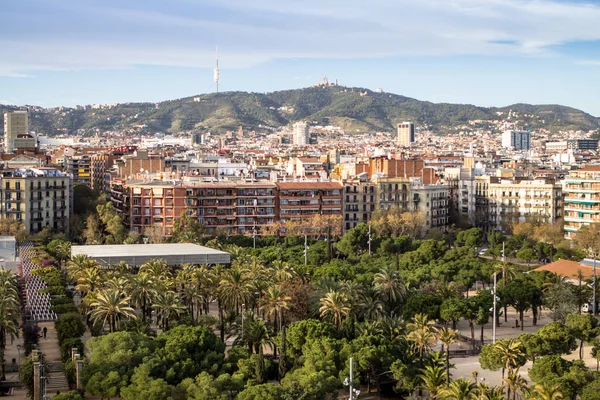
100	165
582	199
299	201
38	197
512	201
433	202
141	162
79	166
360	200
236	207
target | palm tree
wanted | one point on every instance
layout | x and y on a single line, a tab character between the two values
447	336
168	306
88	280
485	392
110	306
79	263
432	379
546	391
257	337
371	307
142	290
421	334
460	389
334	306
235	288
273	303
515	383
9	311
510	351
390	285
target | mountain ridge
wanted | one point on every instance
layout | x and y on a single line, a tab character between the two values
354	109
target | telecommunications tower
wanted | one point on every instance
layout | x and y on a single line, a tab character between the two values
216	71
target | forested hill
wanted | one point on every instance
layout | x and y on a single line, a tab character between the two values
354	109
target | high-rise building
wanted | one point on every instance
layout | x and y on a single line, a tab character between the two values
16	132
406	134
517	140
38	197
300	134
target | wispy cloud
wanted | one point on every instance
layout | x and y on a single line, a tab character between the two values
74	35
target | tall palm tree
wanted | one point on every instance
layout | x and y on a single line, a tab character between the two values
421	334
9	311
273	303
167	306
257	337
510	351
432	379
546	391
487	393
334	306
78	263
142	290
235	288
515	384
88	280
371	307
447	336
460	389
111	306
390	285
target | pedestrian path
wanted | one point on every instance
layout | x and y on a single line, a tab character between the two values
51	350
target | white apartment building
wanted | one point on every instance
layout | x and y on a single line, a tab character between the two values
511	201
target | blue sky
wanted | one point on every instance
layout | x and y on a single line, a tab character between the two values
484	52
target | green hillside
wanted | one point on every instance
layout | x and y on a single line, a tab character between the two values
352	108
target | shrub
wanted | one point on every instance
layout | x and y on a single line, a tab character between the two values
57	301
70	373
67	345
26	375
69	326
65	308
31	337
55	291
72	395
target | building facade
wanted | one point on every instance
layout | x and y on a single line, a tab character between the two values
582	199
300	134
511	201
406	134
16	132
79	166
517	140
38	197
360	200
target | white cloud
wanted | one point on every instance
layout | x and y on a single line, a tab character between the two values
184	32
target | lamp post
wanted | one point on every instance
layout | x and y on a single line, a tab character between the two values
594	298
243	320
369	239
494	310
350	382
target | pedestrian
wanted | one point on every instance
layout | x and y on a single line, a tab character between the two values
44	331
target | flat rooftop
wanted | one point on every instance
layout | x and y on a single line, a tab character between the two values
138	254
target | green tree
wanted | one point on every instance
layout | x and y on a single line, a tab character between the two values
453	309
143	386
433	378
526	254
446	337
266	391
460	389
111	306
335	307
187	229
584	327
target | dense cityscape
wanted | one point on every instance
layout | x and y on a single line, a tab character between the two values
179	221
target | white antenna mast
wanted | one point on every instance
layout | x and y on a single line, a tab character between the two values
216	71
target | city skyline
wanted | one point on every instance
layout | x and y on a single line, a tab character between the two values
484	53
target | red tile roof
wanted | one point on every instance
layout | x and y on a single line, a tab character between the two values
568	269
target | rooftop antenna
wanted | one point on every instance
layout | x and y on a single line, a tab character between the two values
216	71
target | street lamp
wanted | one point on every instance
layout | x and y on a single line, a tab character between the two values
350	382
495	298
243	320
